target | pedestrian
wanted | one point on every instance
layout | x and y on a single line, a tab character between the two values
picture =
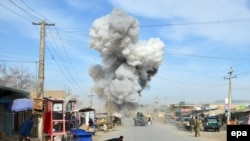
197	126
149	119
91	122
191	123
91	125
248	122
24	131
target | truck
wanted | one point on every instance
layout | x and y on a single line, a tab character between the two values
211	122
140	119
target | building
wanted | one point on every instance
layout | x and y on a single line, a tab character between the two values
11	121
182	108
56	94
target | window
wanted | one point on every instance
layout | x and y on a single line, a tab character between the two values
57	107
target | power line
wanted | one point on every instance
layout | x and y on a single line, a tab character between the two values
79	32
143	26
178	24
16	13
59	56
209	57
22	9
71	65
34	10
200	23
18	61
10	57
73	30
69	75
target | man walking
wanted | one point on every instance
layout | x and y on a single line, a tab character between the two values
197	126
191	123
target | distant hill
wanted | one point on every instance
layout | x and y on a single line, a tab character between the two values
233	101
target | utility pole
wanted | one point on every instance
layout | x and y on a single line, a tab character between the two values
229	94
109	101
41	73
165	105
156	108
91	99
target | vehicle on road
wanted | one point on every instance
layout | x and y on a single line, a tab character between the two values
185	122
140	119
211	122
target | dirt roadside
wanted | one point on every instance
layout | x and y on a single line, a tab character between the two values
205	136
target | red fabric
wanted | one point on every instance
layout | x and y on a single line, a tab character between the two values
47	128
47	118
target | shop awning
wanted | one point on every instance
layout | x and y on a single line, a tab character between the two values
24	104
86	110
8	94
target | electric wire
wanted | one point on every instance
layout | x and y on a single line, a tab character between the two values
69	68
210	57
25	11
199	23
28	19
69	60
17	61
147	26
35	11
167	24
61	58
25	18
63	61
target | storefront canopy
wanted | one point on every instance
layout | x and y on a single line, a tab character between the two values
19	105
86	110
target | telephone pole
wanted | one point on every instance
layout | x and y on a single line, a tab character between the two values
109	101
229	94
156	108
41	73
91	99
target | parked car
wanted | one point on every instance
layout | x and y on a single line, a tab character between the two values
211	122
185	122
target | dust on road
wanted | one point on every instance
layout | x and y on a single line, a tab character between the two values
205	136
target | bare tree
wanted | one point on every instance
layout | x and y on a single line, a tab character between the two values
18	78
3	76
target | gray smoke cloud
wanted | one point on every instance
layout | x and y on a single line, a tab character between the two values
127	62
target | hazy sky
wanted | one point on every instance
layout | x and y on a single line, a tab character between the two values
202	40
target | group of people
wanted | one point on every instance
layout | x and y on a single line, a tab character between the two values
195	124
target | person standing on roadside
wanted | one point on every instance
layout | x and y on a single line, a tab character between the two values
24	131
191	123
149	119
197	126
248	122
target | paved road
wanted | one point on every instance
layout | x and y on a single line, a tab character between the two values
155	132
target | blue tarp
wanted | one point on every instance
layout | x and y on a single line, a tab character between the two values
22	105
81	135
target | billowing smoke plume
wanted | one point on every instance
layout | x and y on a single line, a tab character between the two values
128	63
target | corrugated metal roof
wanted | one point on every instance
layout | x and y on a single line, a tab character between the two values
8	94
